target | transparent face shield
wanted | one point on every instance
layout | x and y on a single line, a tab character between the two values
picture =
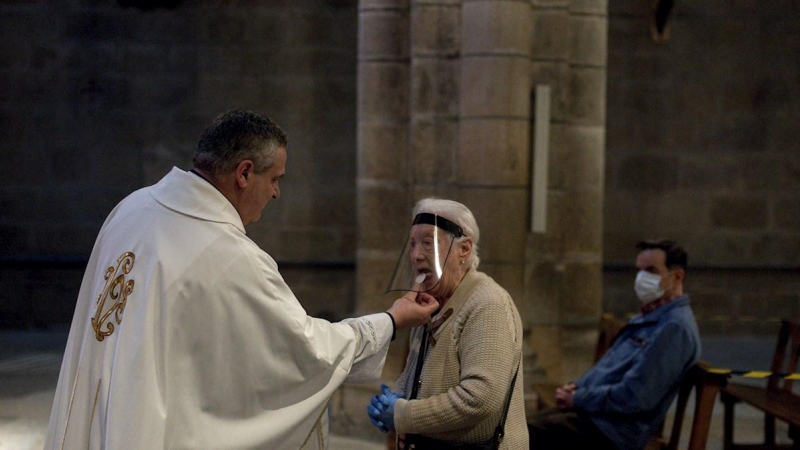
423	261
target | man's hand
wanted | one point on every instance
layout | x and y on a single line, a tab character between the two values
413	309
564	396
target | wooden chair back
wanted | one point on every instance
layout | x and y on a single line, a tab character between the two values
776	400
706	386
787	351
609	327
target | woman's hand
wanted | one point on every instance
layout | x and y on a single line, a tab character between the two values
381	409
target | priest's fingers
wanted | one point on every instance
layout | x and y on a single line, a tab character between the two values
411	295
426	299
417	287
407	313
429	307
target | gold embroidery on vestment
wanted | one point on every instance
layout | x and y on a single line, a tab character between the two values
91	418
69	410
320	437
318	427
118	289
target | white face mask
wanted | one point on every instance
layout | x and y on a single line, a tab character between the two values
647	286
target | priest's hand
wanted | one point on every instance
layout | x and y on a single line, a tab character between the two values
413	309
381	409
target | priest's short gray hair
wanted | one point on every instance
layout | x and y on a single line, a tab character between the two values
458	214
235	136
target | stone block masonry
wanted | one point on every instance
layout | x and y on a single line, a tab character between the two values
98	100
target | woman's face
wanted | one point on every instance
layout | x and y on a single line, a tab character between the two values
423	247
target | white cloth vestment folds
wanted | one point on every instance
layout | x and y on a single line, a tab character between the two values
185	336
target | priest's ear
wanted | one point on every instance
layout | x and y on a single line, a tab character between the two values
244	170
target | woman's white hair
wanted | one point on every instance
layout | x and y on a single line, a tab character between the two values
458	214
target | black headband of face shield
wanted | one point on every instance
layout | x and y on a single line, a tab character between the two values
439	221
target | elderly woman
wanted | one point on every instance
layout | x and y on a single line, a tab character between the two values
462	383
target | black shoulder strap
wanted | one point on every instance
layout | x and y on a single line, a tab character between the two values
420	362
500	431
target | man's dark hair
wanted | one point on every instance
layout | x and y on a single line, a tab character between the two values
237	135
676	255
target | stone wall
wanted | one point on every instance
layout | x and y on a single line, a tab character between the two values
702	148
99	99
702	142
726	302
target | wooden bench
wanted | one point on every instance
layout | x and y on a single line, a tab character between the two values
706	385
776	400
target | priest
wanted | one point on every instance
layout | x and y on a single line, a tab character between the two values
185	335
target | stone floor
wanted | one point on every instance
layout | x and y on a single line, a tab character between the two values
29	364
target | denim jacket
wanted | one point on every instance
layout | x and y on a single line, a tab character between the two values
628	392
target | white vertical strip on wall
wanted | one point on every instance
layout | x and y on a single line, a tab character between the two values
541	148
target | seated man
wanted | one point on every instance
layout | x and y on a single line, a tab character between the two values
620	402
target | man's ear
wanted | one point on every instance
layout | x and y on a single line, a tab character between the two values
244	170
680	274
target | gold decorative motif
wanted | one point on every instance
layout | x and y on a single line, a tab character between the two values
69	410
118	289
94	408
318	428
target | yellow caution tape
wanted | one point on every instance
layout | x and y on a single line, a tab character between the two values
754	373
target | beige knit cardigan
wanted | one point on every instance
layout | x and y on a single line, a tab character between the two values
467	374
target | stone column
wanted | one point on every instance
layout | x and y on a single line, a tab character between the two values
444	108
383	151
382	187
493	160
564	271
435	66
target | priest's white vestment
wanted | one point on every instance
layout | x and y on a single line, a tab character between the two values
185	336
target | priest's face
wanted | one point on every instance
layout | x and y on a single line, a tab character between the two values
263	187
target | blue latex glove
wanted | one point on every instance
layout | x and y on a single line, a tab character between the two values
374	410
381	409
